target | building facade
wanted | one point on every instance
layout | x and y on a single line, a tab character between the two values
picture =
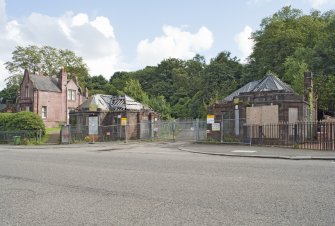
52	98
114	113
269	101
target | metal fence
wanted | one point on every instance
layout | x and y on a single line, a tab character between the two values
178	130
304	135
20	137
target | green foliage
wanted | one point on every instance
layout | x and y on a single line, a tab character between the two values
160	105
44	60
288	44
133	88
99	85
21	121
280	36
4	119
294	73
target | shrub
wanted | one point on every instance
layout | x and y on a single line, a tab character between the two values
22	121
4	119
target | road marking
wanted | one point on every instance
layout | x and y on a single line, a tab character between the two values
243	151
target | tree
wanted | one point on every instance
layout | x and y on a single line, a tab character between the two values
280	36
133	88
99	85
46	60
43	60
221	77
159	104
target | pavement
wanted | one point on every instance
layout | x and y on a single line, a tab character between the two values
257	151
199	148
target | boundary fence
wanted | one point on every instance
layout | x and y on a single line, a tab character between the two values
20	136
304	135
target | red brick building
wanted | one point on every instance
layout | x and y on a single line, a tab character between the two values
110	110
50	97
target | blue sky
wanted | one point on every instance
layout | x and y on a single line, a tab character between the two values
113	35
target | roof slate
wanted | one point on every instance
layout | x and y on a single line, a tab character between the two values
112	103
44	83
269	83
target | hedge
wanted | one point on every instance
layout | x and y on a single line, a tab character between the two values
21	121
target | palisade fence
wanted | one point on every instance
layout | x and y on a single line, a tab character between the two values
304	135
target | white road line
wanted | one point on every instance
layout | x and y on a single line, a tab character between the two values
243	151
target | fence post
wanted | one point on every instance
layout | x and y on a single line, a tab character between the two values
197	130
173	130
295	134
250	135
125	130
152	130
221	129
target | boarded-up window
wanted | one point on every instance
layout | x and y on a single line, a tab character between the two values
262	115
293	115
264	119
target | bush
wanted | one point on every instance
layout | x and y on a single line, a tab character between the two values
4	119
21	121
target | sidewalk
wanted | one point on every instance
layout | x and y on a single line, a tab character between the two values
257	152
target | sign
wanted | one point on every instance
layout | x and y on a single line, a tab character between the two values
236	100
210	119
215	126
93	124
124	121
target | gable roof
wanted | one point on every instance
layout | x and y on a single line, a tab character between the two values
112	103
44	83
269	83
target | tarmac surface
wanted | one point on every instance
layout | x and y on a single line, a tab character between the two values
158	184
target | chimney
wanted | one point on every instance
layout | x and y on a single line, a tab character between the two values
62	79
308	84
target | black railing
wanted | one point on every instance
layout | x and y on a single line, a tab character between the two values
304	135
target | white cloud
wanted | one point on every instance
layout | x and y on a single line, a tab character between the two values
3	75
93	39
244	42
174	43
2	11
318	3
254	2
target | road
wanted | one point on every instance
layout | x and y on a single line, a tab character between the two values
157	184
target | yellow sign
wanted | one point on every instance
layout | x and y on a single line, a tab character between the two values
236	101
123	121
210	119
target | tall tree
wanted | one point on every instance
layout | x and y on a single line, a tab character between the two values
280	36
46	60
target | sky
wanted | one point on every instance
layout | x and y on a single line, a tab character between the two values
127	35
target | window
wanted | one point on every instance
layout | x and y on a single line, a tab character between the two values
71	94
27	91
44	111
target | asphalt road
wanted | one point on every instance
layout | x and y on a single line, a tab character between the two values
157	184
